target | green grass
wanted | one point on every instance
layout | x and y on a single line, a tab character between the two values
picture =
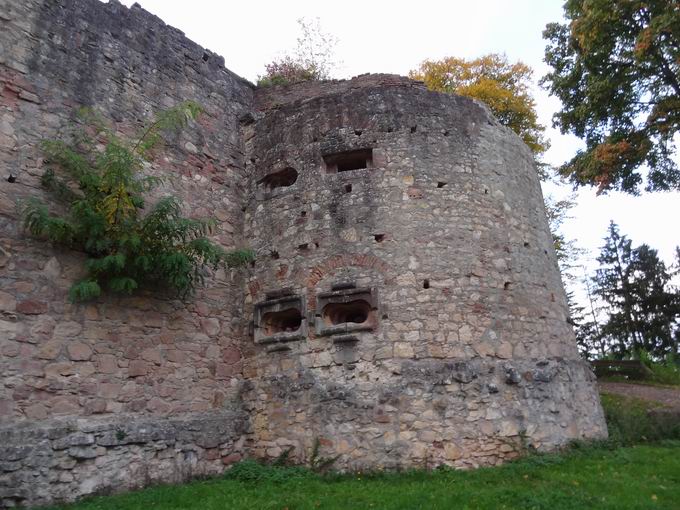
660	373
643	382
666	374
630	421
639	477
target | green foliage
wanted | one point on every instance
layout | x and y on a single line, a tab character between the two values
101	193
316	462
664	372
643	306
616	69
632	421
283	466
252	471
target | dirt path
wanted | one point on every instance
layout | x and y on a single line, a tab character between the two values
669	397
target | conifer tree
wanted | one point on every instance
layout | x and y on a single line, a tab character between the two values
658	304
643	307
613	287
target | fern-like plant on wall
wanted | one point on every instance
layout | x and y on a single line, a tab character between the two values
97	178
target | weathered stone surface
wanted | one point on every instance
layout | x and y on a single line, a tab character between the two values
430	325
78	351
74	454
31	307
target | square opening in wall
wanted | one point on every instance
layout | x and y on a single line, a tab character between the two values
348	161
280	320
346	310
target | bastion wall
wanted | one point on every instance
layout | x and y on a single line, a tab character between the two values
415	244
405	307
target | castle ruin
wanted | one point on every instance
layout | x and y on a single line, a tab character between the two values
405	308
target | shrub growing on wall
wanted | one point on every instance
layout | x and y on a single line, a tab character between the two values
96	177
313	58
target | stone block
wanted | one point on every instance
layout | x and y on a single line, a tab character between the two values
32	307
137	368
79	351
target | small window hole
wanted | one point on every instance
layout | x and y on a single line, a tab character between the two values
285	321
206	57
303	246
356	312
426	284
12	178
348	188
441	184
275	254
526	244
281	179
414	129
347	161
379	238
303	213
358	132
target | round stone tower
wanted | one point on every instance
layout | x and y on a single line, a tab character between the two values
407	308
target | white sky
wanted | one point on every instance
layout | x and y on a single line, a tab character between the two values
394	37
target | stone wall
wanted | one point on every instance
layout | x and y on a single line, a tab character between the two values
141	357
405	308
464	355
64	458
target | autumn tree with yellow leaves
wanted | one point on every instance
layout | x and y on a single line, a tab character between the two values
503	86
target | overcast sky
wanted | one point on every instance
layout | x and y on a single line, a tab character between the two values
393	37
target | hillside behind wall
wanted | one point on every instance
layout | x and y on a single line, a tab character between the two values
87	392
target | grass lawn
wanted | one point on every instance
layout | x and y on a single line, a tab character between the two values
643	382
637	477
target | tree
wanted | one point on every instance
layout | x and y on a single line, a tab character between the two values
583	319
102	194
501	85
589	336
616	69
612	285
657	303
566	250
312	59
643	308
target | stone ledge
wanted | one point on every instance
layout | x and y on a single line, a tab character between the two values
64	459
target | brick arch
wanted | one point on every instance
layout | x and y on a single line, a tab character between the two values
331	264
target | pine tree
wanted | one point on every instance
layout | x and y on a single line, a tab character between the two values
643	307
612	286
657	304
